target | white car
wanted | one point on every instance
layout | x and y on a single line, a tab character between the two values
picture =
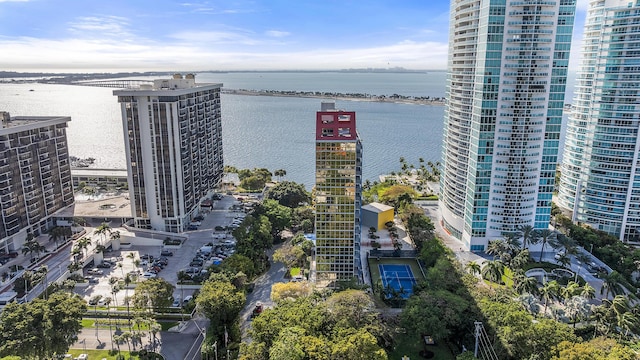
149	275
94	271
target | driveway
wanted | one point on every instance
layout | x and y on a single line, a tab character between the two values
262	292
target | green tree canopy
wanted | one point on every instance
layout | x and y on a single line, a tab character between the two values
156	293
221	302
238	263
290	256
595	349
279	216
41	328
289	193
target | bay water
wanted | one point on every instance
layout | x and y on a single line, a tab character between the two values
262	131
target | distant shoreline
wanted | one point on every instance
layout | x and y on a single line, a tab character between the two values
398	99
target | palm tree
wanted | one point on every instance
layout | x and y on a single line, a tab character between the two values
549	291
280	173
155	329
114	235
103	230
545	235
474	268
587	291
612	284
563	260
94	300
528	234
493	270
577	308
520	260
55	234
43	271
496	248
107	302
74	266
567	292
524	284
83	244
563	241
512	240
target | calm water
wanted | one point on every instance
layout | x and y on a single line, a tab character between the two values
260	131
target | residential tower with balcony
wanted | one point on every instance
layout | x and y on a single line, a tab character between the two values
35	176
173	144
506	80
600	174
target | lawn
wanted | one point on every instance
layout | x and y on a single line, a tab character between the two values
411	345
294	271
102	354
123	323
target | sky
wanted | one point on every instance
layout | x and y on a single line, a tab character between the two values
163	35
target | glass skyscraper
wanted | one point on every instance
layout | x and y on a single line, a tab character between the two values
600	181
337	197
506	80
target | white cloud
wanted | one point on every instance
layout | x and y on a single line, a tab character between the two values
216	37
80	55
101	26
276	33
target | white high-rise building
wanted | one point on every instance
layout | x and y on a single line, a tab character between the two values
505	95
600	181
173	142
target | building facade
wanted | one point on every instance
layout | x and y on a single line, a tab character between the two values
173	143
338	196
35	176
600	180
506	79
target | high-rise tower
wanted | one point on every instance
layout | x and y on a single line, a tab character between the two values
338	196
505	94
173	142
35	176
600	181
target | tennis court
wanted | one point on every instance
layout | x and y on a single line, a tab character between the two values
399	277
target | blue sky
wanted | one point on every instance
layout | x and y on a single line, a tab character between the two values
130	35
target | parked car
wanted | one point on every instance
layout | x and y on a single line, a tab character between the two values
94	271
91	280
198	218
149	275
104	265
187	299
146	257
196	263
192	227
166	253
176	303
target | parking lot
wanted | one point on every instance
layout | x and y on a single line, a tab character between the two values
220	215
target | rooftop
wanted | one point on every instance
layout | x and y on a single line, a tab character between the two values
7	122
377	207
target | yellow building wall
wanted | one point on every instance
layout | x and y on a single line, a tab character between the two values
384	217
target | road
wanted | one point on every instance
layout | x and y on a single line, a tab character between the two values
261	292
172	345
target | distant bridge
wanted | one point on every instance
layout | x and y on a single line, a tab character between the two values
116	84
